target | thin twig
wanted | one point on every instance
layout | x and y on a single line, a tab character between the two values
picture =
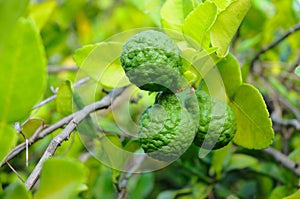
274	43
18	175
53	97
291	122
65	134
283	159
58	69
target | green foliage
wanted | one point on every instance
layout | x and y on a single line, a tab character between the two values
218	40
254	127
18	92
72	175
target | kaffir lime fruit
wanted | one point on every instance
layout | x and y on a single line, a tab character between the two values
167	129
152	61
217	123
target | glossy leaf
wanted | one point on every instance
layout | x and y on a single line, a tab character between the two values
8	139
295	195
10	11
280	192
16	191
22	71
64	98
173	13
101	62
241	161
222	4
81	53
254	127
41	12
198	23
230	71
227	24
61	179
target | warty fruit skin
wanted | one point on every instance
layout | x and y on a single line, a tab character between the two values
217	122
152	61
167	128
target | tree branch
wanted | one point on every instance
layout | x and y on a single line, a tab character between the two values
65	134
53	97
58	69
274	43
283	159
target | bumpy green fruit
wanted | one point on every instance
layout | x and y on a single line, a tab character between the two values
166	129
152	61
217	123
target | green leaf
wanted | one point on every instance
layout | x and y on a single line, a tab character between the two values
81	53
61	179
16	191
227	24
30	127
297	71
10	11
140	186
280	192
219	158
41	12
230	71
222	4
173	13
254	127
198	23
8	139
295	195
22	71
64	98
241	161
107	69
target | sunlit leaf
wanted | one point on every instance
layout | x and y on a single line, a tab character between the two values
10	11
227	24
16	191
8	139
101	62
64	98
295	195
30	127
280	192
22	71
230	71
61	179
41	12
173	13
222	4
198	23
254	126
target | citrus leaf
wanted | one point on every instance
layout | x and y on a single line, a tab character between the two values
61	179
41	12
222	4
64	98
81	53
254	127
107	69
16	191
230	71
8	139
199	21
22	71
173	13
31	126
241	161
280	192
297	71
9	18
227	24
294	195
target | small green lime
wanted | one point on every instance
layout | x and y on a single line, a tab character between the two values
152	61
217	123
167	129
